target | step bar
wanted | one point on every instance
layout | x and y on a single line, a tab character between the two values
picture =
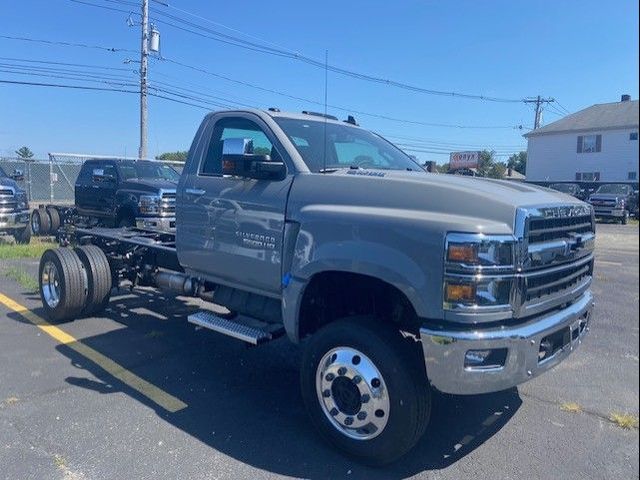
246	333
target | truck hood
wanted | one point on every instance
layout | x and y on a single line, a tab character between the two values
148	185
606	196
457	202
8	182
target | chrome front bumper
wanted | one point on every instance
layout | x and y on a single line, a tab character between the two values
445	351
164	224
15	220
608	212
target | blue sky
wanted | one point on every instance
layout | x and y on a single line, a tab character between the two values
579	52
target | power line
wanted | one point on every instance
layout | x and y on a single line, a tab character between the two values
78	87
257	87
262	48
335	107
25	60
66	44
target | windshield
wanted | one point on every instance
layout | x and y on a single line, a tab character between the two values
147	171
2	174
615	188
564	187
346	147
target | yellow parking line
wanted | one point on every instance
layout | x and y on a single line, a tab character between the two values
153	393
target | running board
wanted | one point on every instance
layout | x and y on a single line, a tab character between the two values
247	333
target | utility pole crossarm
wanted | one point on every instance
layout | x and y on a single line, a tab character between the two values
538	115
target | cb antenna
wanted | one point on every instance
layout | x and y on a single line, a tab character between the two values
324	142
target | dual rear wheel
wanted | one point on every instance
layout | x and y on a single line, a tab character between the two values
74	282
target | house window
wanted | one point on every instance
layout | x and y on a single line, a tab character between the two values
632	176
633	136
589	143
587	176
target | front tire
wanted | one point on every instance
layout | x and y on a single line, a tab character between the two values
365	389
625	218
23	236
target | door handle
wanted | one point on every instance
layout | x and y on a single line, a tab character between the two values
194	191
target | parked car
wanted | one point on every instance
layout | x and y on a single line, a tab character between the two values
14	208
397	281
614	200
573	189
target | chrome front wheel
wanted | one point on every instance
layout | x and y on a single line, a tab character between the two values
352	393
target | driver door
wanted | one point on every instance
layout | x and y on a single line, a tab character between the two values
230	228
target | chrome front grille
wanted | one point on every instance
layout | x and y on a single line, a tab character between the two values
8	200
547	229
168	203
557	256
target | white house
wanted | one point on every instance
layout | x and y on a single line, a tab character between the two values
597	144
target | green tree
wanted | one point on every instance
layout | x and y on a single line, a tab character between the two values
444	168
518	162
24	152
179	156
497	170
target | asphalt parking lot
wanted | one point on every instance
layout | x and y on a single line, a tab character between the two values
138	394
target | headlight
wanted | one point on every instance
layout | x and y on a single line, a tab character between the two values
479	273
478	251
149	204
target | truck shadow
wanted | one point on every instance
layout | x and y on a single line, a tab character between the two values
245	402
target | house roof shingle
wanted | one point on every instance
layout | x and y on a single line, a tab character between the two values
603	116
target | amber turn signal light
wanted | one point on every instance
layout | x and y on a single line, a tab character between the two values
457	293
462	253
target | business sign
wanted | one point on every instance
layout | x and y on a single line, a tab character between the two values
458	160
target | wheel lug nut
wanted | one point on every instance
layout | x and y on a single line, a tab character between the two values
326	393
357	379
334	412
342	371
362	415
329	377
375	383
348	420
365	398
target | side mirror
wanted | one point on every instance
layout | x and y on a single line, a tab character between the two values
239	160
17	175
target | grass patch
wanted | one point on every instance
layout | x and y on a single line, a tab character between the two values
59	461
9	401
24	279
35	249
571	407
624	420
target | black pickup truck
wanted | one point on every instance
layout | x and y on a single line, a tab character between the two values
126	193
116	193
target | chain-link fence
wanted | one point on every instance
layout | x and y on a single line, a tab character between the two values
53	180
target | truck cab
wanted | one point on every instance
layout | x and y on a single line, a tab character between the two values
127	193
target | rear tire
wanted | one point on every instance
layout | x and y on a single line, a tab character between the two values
23	236
99	279
54	218
63	284
338	402
40	222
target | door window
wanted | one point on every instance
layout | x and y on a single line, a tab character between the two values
235	128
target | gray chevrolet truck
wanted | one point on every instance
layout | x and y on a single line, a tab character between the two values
14	209
396	282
